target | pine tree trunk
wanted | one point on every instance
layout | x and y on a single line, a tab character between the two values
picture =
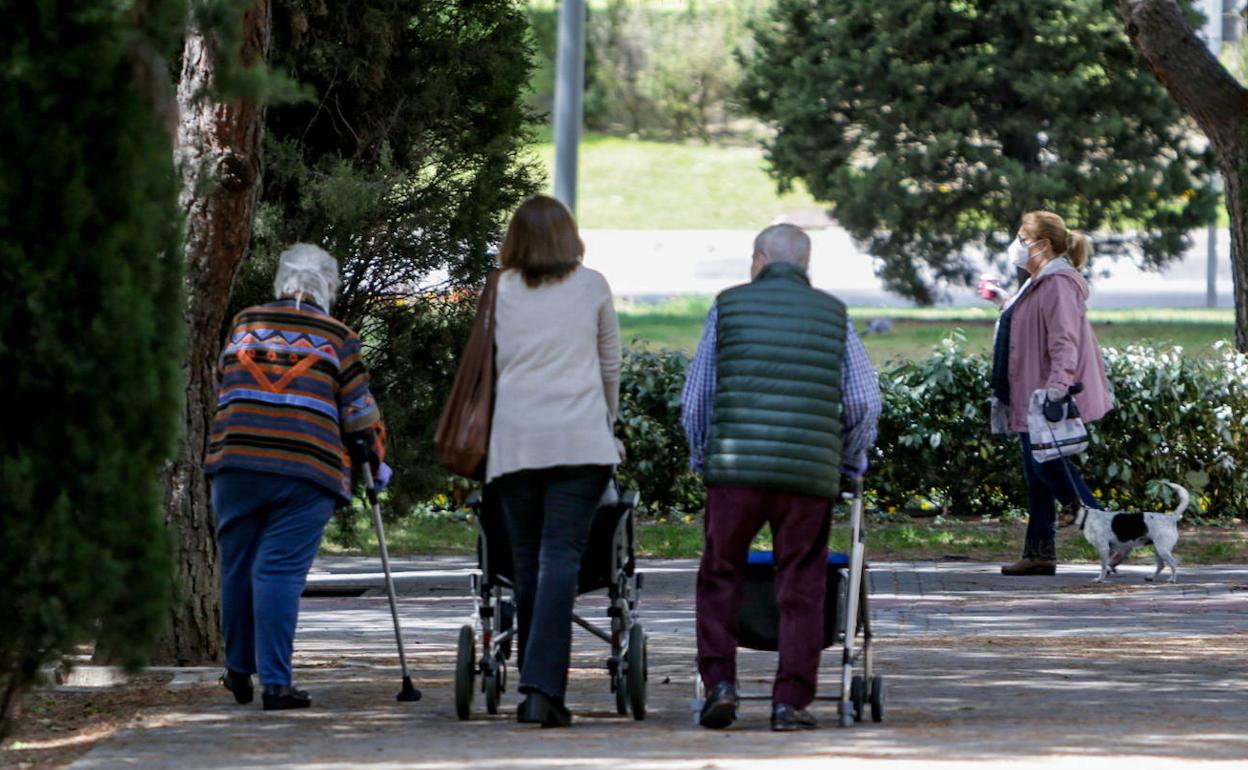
1219	105
220	157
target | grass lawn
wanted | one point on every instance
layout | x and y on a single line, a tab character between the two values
677	324
633	184
917	540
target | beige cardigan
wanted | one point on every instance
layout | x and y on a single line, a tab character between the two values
557	359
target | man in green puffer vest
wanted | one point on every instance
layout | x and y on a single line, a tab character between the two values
780	400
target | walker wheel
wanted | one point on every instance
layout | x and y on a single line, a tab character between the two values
465	672
490	684
620	683
877	699
857	696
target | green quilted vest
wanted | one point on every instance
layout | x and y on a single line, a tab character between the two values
777	421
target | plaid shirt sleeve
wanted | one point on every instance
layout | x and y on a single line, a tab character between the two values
699	396
860	395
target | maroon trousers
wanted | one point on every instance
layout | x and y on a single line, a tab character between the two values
799	526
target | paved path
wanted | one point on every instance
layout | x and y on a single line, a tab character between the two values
1018	672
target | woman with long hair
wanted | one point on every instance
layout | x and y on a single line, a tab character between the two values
552	445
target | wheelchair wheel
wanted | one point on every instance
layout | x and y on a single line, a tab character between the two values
877	699
857	696
638	671
465	672
507	619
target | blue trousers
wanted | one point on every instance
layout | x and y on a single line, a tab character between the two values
1055	479
549	513
268	530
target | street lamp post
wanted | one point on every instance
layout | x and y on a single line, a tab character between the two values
569	87
1213	37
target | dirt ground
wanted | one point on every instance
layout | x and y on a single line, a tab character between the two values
54	728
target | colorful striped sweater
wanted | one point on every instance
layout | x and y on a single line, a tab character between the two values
291	384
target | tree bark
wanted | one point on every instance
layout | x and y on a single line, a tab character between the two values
1218	104
219	154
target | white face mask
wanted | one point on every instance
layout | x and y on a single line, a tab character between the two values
1019	254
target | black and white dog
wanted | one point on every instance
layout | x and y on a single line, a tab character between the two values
1114	534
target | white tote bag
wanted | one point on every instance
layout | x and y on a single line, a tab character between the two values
1051	439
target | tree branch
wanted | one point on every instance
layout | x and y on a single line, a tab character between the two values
1188	69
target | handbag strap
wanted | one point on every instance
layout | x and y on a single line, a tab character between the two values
489	301
483	323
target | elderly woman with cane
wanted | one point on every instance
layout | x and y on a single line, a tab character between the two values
293	395
1044	342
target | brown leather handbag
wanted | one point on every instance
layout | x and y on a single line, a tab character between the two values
462	438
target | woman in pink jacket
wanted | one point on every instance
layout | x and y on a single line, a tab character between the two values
1045	342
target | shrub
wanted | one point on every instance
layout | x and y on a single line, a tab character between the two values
1178	418
935	450
649	425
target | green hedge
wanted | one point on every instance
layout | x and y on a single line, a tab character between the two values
649	425
1178	418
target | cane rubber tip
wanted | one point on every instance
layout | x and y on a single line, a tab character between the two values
409	693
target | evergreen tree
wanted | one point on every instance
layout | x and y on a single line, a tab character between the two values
931	127
405	167
90	336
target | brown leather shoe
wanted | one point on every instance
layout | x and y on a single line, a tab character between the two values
1030	567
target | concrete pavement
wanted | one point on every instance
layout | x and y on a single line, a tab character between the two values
1022	672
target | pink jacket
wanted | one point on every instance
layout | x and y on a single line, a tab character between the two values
1052	345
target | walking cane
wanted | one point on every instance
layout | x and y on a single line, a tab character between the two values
409	691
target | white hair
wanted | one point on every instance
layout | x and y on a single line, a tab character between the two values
784	243
305	270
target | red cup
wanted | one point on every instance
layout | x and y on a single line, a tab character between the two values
987	284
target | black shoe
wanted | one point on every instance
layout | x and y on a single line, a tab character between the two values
786	719
1029	566
720	709
240	685
526	712
279	697
539	708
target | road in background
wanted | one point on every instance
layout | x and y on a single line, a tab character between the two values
643	264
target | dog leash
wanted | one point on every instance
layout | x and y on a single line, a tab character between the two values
1070	477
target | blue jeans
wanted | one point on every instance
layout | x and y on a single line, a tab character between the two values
549	513
268	529
1045	481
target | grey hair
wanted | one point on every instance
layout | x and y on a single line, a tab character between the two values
305	270
784	243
